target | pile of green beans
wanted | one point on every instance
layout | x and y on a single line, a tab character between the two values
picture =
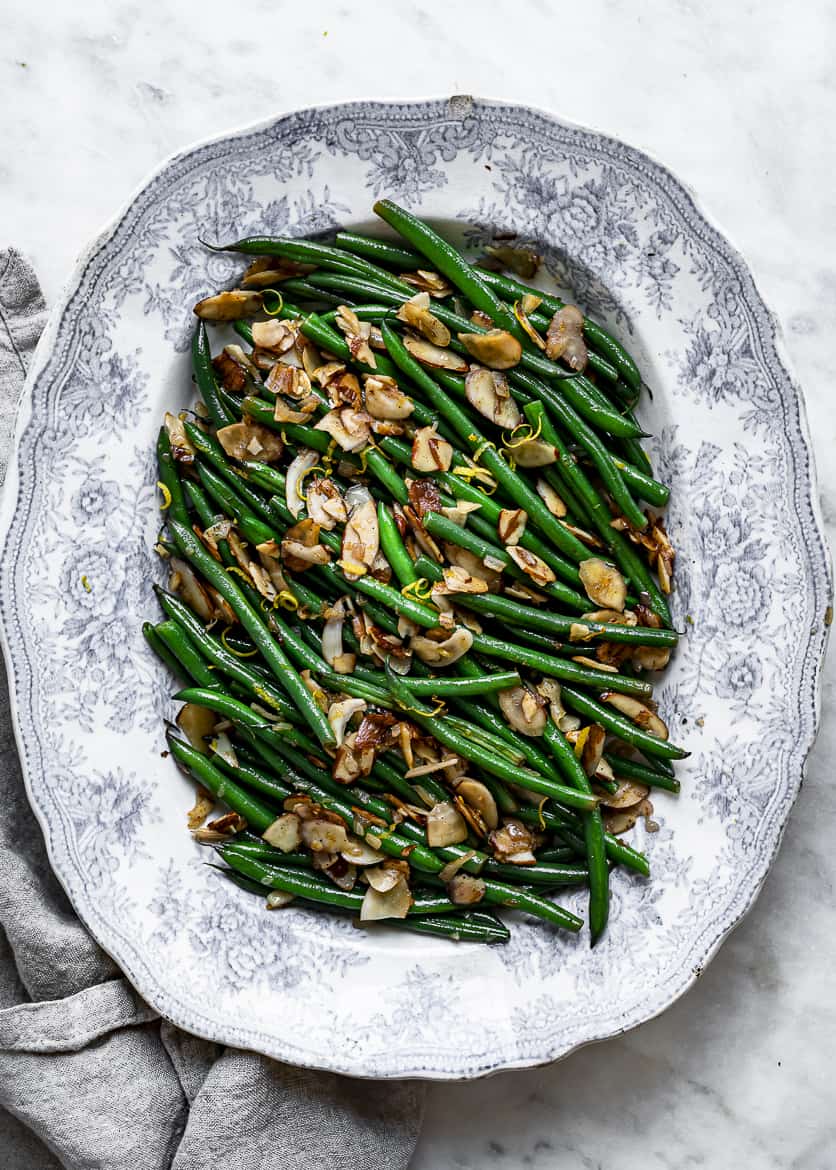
497	628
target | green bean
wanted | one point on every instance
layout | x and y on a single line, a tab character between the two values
192	662
307	252
381	250
626	557
393	547
170	478
617	851
314	888
162	651
204	376
612	721
593	830
443	529
544	873
215	652
446	260
478	684
633	770
277	660
484	451
252	527
254	811
644	485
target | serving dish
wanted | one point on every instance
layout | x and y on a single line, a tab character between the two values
79	519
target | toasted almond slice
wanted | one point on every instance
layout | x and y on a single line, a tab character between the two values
564	338
361	535
466	890
385	399
322	836
181	445
326	506
230	306
487	391
433	355
522	261
357	852
593	748
285	833
627	795
603	583
640	714
497	348
430	452
511	525
416	313
551	499
428	281
197	724
350	428
184	580
524	710
340	713
277	336
480	798
533	453
458	580
651	657
445	825
531	565
393	903
442	653
250	440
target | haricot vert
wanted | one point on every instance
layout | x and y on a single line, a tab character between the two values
415	609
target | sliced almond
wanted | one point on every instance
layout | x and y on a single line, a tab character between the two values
394	903
416	313
593	748
442	653
428	281
511	525
564	338
285	833
340	713
324	503
361	535
458	580
533	453
531	565
524	710
627	795
465	889
487	391
357	852
651	657
350	428
198	725
250	440
551	499
640	714
603	583
434	355
323	836
430	452
497	348
277	336
445	825
385	399
181	446
480	798
230	306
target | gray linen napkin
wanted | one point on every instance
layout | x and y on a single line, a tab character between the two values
85	1064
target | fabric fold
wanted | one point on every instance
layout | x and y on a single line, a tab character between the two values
85	1064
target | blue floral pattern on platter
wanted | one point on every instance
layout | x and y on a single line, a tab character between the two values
80	517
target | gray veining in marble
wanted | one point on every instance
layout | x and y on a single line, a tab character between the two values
739	100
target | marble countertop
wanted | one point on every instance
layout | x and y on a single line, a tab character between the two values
739	100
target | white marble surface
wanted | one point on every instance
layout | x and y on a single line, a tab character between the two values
740	100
